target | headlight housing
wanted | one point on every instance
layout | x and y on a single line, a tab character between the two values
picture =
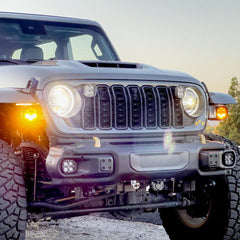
64	101
192	100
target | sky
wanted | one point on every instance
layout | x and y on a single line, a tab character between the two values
201	38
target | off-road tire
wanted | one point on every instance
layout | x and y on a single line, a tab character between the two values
222	222
13	212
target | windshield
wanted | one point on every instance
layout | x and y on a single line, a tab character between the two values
38	40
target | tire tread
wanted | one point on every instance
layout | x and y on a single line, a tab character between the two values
13	204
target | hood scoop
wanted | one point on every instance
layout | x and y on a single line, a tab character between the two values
112	65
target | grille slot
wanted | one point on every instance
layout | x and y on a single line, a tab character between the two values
104	108
164	107
135	107
89	113
123	107
177	110
150	107
120	107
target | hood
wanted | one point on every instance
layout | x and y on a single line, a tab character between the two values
17	76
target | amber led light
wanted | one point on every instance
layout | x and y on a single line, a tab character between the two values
30	114
221	113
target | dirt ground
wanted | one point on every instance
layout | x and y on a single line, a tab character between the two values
98	227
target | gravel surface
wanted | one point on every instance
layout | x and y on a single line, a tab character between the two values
100	227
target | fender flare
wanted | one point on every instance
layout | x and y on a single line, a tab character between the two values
9	95
216	98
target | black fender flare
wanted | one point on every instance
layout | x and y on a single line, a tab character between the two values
216	98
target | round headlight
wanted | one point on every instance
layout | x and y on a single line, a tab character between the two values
191	102
63	100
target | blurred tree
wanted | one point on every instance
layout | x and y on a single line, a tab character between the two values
230	127
211	129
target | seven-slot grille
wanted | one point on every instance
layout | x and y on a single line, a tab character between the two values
122	107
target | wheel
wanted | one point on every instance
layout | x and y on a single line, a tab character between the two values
217	220
13	212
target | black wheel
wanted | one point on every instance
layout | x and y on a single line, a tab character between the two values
217	220
13	212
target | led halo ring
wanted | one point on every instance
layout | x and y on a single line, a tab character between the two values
64	101
191	102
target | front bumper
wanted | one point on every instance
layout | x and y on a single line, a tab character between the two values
108	162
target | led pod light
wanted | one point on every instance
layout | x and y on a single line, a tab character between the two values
64	101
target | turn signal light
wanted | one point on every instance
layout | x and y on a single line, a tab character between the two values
30	114
221	113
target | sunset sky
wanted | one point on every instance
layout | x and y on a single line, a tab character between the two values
201	38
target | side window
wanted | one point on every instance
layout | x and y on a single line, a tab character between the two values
82	50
